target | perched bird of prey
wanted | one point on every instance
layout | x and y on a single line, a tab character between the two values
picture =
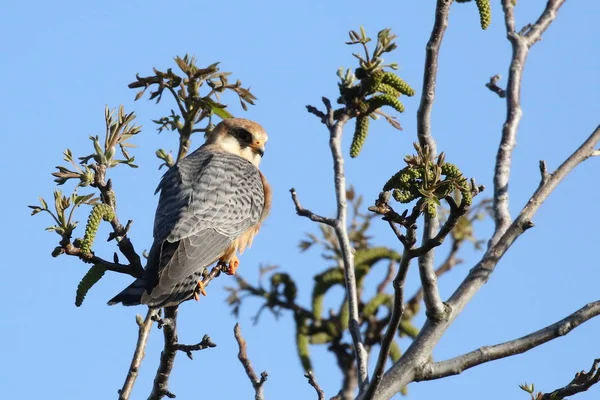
211	206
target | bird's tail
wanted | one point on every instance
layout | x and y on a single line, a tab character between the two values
131	295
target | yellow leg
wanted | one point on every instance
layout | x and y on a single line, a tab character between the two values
234	263
199	290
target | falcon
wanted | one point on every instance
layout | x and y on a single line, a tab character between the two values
211	206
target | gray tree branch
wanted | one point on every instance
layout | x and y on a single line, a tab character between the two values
339	225
404	371
520	43
397	312
138	355
486	354
257	383
433	302
582	382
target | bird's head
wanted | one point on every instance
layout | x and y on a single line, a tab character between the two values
240	136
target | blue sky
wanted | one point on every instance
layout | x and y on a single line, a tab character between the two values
63	61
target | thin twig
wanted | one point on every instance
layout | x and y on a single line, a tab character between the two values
204	344
433	302
138	355
312	382
72	250
341	230
257	383
457	365
303	212
397	312
493	86
446	266
339	225
582	382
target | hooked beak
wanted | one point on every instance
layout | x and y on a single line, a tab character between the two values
259	148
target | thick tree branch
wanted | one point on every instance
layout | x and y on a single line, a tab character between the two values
257	383
486	354
138	355
417	354
433	302
582	382
521	43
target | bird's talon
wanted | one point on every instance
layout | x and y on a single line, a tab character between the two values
232	267
199	290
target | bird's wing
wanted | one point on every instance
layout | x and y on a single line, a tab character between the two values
207	200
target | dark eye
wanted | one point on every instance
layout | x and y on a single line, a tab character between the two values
243	136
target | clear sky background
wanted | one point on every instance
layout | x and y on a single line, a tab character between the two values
63	61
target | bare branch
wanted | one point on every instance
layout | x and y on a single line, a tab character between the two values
543	172
521	43
138	355
433	302
486	354
257	383
312	382
397	312
582	382
339	225
539	27
204	344
303	212
72	250
493	86
446	266
341	230
437	240
167	356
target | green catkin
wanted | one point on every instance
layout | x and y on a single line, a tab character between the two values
289	289
344	316
451	170
323	282
372	255
485	13
320	338
99	212
395	352
302	344
89	279
381	100
404	195
402	179
384	88
373	304
431	210
360	135
397	83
